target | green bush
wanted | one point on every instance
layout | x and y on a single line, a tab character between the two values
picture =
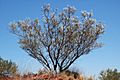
7	67
109	74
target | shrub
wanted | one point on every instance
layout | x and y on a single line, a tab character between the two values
109	74
7	68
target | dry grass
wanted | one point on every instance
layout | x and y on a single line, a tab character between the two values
66	75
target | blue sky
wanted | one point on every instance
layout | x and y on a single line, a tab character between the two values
106	11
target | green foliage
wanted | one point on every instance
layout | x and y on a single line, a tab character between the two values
109	74
7	67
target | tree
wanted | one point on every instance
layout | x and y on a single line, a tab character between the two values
7	67
60	39
109	74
